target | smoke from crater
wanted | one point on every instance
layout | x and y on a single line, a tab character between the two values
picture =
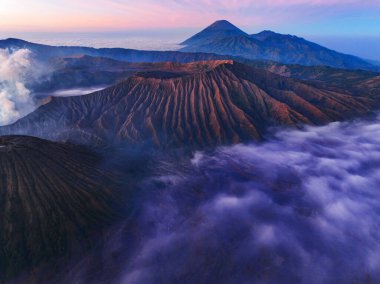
17	70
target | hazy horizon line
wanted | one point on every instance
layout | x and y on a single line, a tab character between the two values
364	46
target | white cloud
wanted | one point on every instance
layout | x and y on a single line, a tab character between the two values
16	68
306	203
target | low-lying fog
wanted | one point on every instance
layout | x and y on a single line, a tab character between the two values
301	208
76	91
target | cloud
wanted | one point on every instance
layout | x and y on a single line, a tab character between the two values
302	208
17	68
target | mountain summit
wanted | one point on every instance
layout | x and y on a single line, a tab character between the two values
218	30
224	25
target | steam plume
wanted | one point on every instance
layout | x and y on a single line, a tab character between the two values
17	69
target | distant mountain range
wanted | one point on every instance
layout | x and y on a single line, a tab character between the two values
47	52
199	104
220	41
224	38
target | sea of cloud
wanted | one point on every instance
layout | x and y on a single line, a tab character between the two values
301	208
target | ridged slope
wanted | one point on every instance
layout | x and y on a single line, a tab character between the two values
215	103
52	196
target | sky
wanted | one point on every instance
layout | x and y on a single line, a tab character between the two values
335	23
343	17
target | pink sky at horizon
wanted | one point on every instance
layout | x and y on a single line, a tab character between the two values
116	15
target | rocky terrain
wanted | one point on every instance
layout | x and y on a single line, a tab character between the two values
199	104
87	71
54	199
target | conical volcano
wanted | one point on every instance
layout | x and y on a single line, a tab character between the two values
218	30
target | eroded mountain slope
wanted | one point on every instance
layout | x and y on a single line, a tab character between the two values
53	197
198	104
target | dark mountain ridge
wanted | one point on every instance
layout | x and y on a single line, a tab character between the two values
54	197
87	71
268	45
220	41
45	53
